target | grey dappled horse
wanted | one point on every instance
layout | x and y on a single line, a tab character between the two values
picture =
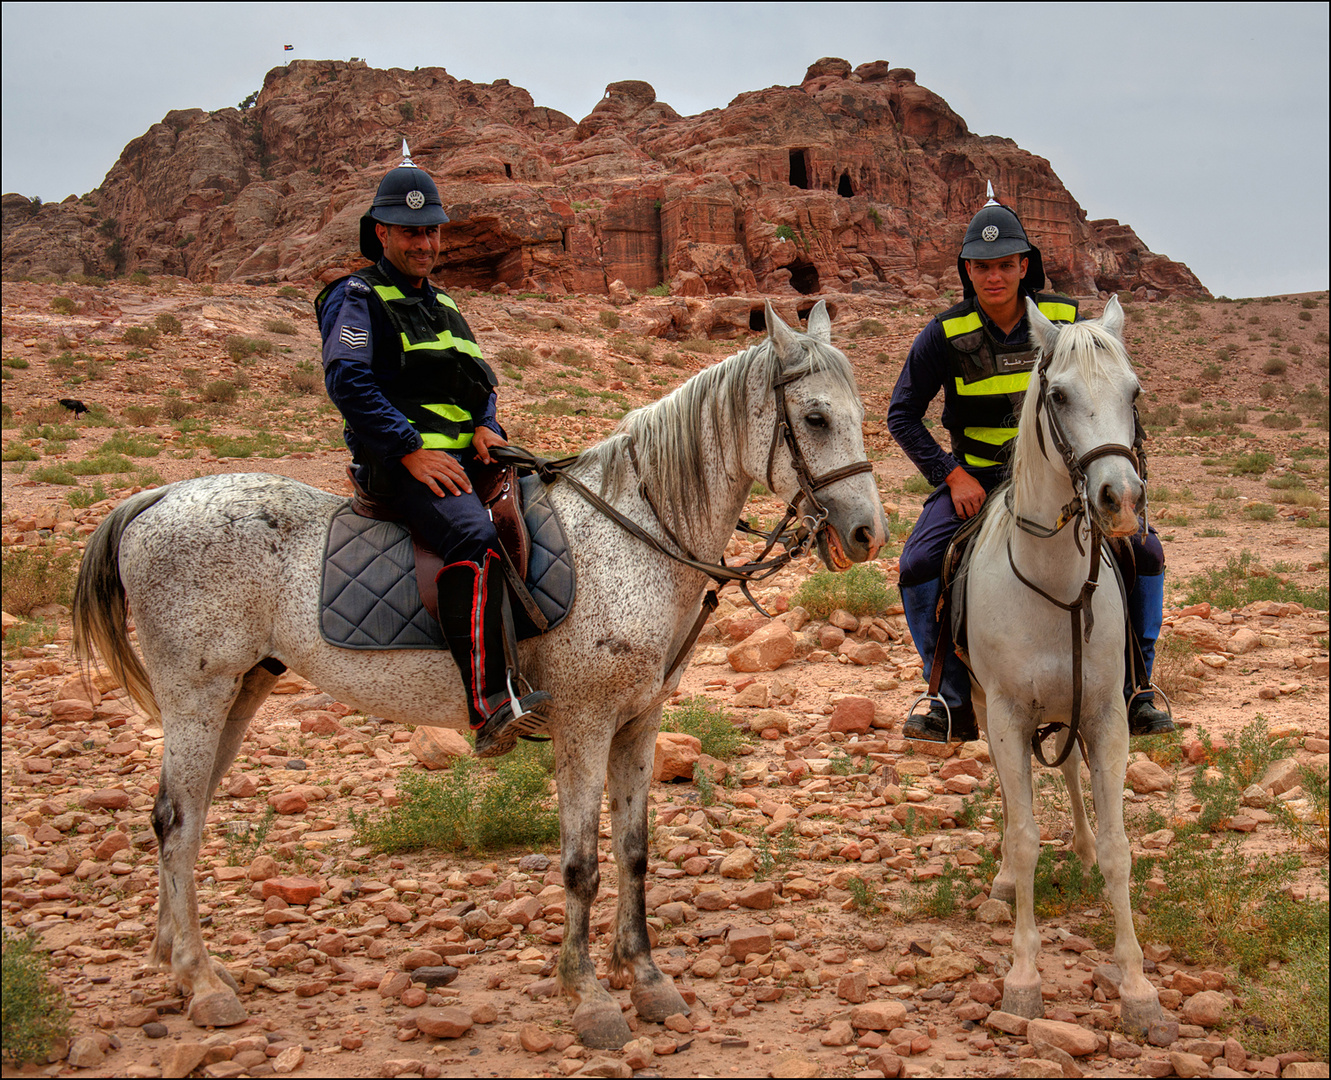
222	573
1078	411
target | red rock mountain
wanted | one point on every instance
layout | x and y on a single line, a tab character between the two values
854	181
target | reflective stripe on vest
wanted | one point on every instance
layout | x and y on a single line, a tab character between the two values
456	415
444	340
996	385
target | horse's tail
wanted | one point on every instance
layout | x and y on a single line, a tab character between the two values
100	608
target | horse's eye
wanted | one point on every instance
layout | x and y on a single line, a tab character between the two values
816	420
1058	397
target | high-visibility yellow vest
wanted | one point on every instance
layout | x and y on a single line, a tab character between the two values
988	380
444	383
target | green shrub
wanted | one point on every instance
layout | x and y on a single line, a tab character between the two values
1281	421
472	808
35	1015
15	362
1260	511
1236	584
33	576
81	499
519	358
916	484
861	590
279	326
219	390
64	305
145	336
53	474
1254	463
140	278
291	292
241	349
168	323
306	378
609	319
709	723
785	232
1275	365
19	452
141	415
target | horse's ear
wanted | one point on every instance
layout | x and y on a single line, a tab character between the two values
1112	319
820	323
783	338
1043	332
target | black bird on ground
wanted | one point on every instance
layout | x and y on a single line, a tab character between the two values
74	405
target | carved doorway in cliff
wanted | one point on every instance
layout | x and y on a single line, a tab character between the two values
844	188
804	277
799	169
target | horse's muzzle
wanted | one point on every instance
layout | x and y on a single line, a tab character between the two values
1117	506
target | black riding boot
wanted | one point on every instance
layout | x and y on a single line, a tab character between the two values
471	603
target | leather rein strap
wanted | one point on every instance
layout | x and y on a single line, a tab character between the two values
1075	510
795	543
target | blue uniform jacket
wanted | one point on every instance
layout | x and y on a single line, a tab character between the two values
928	367
360	358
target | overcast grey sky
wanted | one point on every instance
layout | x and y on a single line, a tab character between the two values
1205	127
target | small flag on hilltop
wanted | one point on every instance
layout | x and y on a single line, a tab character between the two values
287	48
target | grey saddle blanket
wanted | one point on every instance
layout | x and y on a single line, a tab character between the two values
369	598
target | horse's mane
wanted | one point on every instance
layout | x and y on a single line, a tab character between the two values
668	435
1089	350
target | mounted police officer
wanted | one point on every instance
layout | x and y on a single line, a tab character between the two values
404	368
979	354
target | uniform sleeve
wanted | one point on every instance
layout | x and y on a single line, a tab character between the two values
920	381
348	349
488	417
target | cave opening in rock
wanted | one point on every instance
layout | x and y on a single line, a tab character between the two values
799	169
508	170
757	319
843	187
804	277
803	311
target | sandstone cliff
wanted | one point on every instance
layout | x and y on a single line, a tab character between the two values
854	181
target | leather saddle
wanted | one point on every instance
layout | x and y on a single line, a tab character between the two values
372	560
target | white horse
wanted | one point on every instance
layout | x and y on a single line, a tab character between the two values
222	576
1026	586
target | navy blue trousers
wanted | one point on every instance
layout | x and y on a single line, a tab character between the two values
922	557
456	527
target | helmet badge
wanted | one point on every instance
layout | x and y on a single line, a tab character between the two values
416	199
990	231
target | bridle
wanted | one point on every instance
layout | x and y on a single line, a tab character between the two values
809	524
1074	512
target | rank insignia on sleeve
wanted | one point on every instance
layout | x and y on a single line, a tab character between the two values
353	338
356	285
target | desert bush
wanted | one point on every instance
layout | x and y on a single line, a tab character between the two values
1259	511
279	326
472	808
63	305
168	323
519	358
1190	396
1253	463
1241	582
19	452
219	390
1275	365
674	360
916	484
609	319
861	590
141	336
82	498
709	723
176	407
15	362
33	576
306	378
241	349
1166	415
133	445
35	1016
291	292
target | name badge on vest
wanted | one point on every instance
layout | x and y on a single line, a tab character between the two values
1015	361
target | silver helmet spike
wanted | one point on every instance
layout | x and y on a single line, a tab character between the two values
989	185
409	164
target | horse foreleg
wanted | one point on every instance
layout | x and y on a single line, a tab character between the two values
1004	885
1021	848
1139	1001
653	995
1083	839
580	768
179	813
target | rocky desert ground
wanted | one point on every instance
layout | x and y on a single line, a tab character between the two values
821	901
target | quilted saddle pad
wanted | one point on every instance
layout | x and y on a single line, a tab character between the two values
369	598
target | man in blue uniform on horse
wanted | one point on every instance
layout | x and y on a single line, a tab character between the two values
979	354
404	368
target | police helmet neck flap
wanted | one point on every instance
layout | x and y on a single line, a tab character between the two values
406	196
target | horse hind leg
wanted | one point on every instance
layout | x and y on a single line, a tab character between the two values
580	768
198	751
653	994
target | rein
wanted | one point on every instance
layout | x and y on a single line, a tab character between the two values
795	543
1074	511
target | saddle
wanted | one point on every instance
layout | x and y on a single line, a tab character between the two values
379	586
956	563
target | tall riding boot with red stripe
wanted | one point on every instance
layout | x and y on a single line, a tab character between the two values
471	602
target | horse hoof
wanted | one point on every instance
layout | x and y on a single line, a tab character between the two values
1136	1015
219	1009
601	1025
219	969
1003	890
656	1001
1024	1001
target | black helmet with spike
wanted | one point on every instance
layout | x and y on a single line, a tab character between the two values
406	196
994	232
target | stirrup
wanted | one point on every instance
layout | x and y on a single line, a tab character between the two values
911	715
516	717
1151	688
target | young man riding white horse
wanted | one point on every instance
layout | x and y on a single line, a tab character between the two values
979	354
403	366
